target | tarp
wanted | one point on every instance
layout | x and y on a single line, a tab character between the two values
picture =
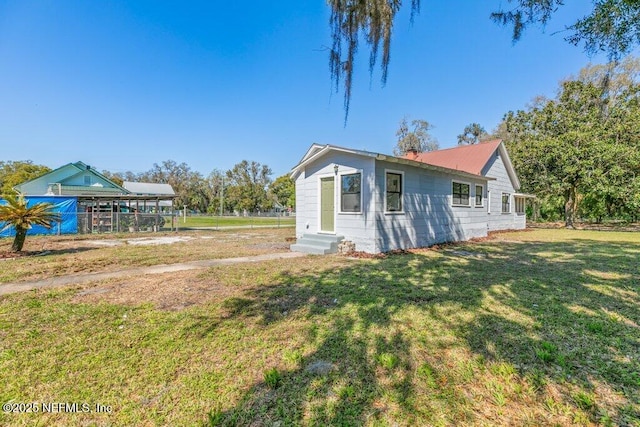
66	206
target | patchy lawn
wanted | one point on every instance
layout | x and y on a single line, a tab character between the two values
237	221
531	328
61	255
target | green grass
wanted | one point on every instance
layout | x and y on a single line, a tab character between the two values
272	378
234	221
428	338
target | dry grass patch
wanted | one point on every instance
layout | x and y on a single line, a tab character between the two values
64	255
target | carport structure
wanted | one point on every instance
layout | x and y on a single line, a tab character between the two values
110	213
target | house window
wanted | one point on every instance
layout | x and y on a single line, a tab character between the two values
479	191
394	192
520	205
460	194
350	192
506	203
87	180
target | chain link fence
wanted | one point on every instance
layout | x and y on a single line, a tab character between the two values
132	222
235	219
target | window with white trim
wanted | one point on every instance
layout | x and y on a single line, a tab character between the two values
351	192
393	191
460	193
479	194
506	203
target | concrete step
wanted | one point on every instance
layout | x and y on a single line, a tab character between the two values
311	249
317	244
323	237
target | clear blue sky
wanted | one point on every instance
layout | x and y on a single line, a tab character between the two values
121	85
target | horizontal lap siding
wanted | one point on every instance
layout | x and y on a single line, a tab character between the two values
358	228
305	205
496	219
428	216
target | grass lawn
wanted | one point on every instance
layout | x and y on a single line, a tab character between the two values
530	328
102	252
235	221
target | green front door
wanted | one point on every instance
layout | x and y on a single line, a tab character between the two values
327	200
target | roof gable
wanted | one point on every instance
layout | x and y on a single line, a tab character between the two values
468	158
65	174
311	151
61	171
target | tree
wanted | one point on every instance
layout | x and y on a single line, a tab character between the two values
186	183
283	190
16	213
581	148
472	134
120	177
246	186
374	18
14	173
215	188
612	27
417	138
614	77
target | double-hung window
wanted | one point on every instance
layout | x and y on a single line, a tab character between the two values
393	192
351	192
479	193
506	203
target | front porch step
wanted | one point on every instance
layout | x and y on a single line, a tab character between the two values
319	244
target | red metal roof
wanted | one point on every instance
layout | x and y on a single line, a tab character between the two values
466	158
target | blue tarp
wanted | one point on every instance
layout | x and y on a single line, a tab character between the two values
66	206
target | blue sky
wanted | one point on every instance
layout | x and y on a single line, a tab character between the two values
122	85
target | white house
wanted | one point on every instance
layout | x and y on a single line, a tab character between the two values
381	202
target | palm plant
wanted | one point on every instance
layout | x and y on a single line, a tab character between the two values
17	214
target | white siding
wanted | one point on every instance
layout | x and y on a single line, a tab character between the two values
497	220
428	216
356	227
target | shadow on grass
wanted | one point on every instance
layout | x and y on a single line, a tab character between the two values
47	252
557	312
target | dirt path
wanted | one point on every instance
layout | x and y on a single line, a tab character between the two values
72	279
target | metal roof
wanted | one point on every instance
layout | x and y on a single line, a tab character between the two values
150	188
468	158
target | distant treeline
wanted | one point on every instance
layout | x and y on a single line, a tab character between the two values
248	185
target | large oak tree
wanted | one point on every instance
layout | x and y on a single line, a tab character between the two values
581	148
